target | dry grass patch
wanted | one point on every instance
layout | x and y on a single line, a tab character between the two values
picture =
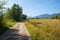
44	29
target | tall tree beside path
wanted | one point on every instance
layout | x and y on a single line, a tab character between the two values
15	12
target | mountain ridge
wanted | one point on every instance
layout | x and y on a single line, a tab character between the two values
45	15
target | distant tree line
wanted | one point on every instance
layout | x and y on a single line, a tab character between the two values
56	17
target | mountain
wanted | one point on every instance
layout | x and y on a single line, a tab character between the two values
46	15
54	14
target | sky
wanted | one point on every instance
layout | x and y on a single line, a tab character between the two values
36	7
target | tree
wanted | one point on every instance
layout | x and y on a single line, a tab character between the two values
56	17
15	12
24	17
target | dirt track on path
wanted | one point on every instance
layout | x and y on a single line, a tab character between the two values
17	32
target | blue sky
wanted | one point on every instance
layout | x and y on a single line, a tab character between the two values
37	7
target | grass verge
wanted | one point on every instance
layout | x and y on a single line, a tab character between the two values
6	24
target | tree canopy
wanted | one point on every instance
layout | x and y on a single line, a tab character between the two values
16	13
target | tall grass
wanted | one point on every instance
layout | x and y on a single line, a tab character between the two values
44	29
